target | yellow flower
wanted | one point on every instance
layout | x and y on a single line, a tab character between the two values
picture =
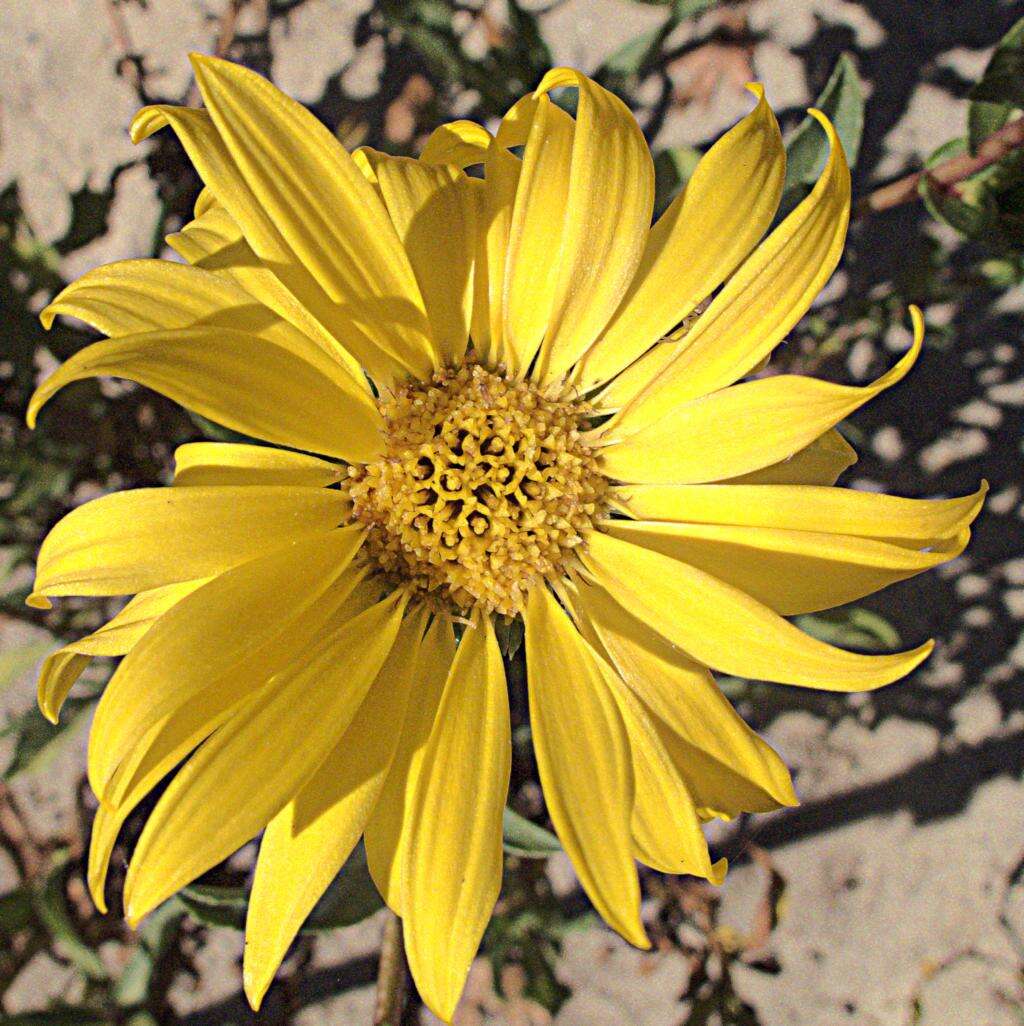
528	401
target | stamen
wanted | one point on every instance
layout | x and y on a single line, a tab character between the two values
485	486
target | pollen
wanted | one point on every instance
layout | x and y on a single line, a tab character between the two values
484	488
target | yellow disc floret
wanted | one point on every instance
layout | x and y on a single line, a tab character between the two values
485	486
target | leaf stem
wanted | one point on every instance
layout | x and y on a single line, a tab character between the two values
391	975
947	174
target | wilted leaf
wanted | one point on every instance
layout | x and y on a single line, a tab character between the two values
525	839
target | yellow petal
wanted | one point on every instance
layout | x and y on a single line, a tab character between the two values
106	825
819	463
535	233
736	430
459	143
390	826
211	808
726	629
133	541
214	242
453	862
804	508
433	209
228	463
134	296
245	203
235	616
116	637
723	761
176	735
666	827
606	220
308	841
637	376
790	571
766	297
244	382
494	222
319	202
726	207
584	760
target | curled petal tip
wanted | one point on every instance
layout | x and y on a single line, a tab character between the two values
756	89
718	871
37	600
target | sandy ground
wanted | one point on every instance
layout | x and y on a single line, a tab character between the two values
902	871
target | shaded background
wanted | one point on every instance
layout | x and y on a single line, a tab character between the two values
894	895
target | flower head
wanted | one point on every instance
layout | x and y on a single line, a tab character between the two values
488	395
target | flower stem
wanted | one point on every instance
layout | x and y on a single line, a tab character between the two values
391	975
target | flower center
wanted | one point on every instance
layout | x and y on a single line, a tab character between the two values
484	487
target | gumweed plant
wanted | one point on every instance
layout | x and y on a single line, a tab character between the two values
486	390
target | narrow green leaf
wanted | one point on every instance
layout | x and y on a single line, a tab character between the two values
853	627
214	905
154	937
525	839
842	100
16	911
51	907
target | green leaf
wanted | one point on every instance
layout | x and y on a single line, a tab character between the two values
682	9
154	937
17	661
16	911
51	907
672	170
37	741
1003	79
525	839
842	100
631	58
970	208
984	118
350	898
853	627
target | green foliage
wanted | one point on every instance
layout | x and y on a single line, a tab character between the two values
988	205
525	839
842	100
1002	83
349	899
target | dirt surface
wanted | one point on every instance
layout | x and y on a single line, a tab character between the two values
895	893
